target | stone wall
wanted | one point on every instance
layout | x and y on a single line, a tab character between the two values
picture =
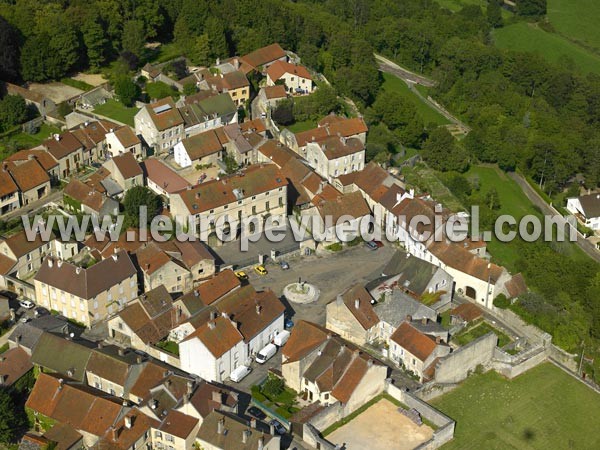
565	359
522	328
456	366
445	425
517	364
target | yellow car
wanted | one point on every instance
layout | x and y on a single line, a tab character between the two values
260	269
241	275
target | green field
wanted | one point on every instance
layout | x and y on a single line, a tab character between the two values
20	140
577	20
542	409
394	84
117	111
529	37
457	5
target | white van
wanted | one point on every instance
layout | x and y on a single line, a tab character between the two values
281	338
240	373
266	353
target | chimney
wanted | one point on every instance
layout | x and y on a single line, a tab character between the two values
114	257
409	318
258	308
245	436
60	383
261	443
128	422
211	325
100	344
424	320
59	263
217	397
114	433
236	63
213	315
253	423
77	270
50	263
438	339
138	359
370	363
221	425
357	303
18	340
121	352
190	387
3	379
272	429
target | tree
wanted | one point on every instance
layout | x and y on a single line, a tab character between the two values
442	153
273	386
216	29
12	418
9	51
135	198
494	14
535	8
134	37
201	50
35	57
189	89
13	111
284	113
95	42
127	90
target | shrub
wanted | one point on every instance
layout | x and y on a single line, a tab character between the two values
273	387
501	302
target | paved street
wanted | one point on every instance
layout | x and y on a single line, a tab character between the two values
331	274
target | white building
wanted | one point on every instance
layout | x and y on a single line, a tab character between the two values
587	210
297	79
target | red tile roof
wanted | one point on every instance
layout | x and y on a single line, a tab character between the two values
203	144
127	165
273	92
305	337
14	363
178	424
262	56
166	118
45	159
163	176
459	258
364	313
468	312
413	341
28	175
127	137
280	68
218	336
218	286
66	144
7	184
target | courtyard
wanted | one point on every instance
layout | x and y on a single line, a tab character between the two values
380	426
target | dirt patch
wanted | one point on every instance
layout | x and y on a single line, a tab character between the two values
94	79
57	92
381	426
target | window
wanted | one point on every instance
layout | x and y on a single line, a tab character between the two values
226	206
158	434
254	197
169	438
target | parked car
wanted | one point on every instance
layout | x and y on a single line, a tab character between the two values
284	265
371	245
39	311
25	319
289	323
260	269
256	413
239	374
281	338
241	275
279	428
26	304
379	244
266	353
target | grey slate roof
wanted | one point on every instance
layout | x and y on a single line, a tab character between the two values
398	305
63	356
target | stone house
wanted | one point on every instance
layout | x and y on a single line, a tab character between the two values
124	140
326	368
161	179
233	83
262	58
176	431
352	316
160	124
270	96
416	351
587	210
67	150
207	148
86	295
125	170
221	431
83	199
30	178
296	78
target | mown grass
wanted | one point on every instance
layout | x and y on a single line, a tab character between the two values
429	115
530	38
542	409
478	330
577	20
117	111
304	125
18	139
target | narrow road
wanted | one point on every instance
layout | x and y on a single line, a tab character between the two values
410	78
537	200
385	65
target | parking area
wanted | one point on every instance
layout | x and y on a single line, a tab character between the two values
381	426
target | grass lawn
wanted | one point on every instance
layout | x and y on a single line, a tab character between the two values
542	409
160	90
77	84
426	179
528	37
283	404
117	111
394	84
513	202
165	53
305	125
169	346
576	19
457	5
478	330
23	140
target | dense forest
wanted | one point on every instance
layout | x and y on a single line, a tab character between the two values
525	113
